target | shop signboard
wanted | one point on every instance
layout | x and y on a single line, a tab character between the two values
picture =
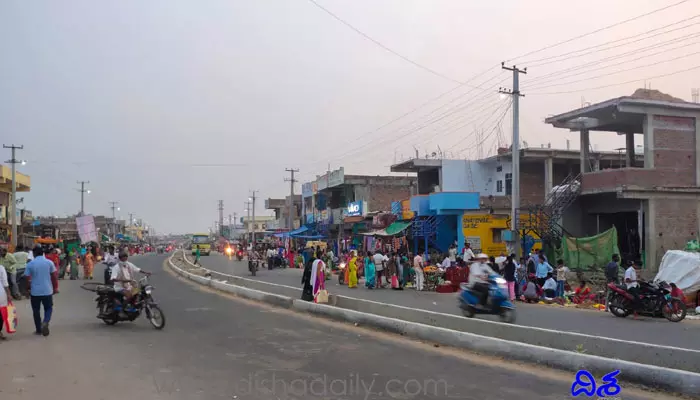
86	228
307	189
356	209
336	178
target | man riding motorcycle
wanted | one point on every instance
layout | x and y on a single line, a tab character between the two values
479	273
123	277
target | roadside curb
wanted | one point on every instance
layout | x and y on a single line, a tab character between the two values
683	382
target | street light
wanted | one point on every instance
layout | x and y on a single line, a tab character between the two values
89	191
24	162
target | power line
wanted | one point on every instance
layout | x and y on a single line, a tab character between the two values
553	76
620	83
598	30
625	38
614	72
383	46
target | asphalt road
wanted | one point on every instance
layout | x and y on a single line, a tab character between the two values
646	330
218	347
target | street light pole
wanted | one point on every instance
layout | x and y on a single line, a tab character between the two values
82	196
252	198
14	162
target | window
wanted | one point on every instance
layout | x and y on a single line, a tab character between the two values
499	168
499	186
509	184
496	235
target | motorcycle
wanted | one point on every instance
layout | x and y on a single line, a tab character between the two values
111	313
253	266
654	299
498	302
239	255
341	274
229	252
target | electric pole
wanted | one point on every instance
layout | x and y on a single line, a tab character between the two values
113	206
252	198
82	191
290	206
14	161
247	208
515	197
221	218
131	219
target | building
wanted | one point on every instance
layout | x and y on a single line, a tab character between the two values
654	204
335	199
258	225
66	227
470	200
23	185
281	208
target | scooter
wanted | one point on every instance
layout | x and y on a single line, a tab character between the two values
341	274
253	266
498	302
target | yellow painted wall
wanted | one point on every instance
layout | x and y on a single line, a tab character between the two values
479	229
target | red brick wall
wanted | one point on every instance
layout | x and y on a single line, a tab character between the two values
676	223
381	196
674	156
531	184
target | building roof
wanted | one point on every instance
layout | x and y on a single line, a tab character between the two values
417	165
23	181
622	114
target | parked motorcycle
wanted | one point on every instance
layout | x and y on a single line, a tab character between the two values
498	302
111	313
654	299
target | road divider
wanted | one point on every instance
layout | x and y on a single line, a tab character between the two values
674	380
643	353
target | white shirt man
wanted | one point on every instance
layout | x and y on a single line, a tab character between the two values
479	272
468	254
446	263
379	260
631	277
124	270
111	259
418	269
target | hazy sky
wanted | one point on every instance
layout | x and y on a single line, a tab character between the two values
170	105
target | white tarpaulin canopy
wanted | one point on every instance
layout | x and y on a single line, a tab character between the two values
682	268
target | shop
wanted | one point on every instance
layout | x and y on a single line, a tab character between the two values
487	233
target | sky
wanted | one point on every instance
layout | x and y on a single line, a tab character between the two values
168	106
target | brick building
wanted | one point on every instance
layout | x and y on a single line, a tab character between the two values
654	203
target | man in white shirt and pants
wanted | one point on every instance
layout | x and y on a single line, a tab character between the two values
632	286
418	265
379	262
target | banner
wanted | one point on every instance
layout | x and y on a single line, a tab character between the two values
86	229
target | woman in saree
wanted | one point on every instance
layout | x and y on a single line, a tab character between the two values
307	280
370	271
73	263
88	265
318	280
351	271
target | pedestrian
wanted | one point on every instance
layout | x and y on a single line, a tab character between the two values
53	256
452	253
73	264
509	275
4	297
88	264
22	257
40	272
562	270
10	263
543	269
418	265
380	264
307	280
197	255
612	271
550	287
370	271
468	253
351	271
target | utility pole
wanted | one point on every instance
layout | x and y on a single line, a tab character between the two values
113	206
515	197
14	161
252	198
221	218
131	219
82	191
290	206
247	208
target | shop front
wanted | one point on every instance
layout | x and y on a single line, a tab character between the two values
487	233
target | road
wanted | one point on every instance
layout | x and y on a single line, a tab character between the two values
219	347
646	330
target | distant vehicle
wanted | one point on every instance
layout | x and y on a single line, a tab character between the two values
202	241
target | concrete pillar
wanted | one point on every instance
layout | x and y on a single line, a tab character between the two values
697	153
596	164
629	149
650	238
548	175
649	141
585	146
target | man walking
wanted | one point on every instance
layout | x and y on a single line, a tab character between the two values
41	274
10	263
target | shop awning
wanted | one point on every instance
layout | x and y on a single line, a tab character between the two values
397	227
293	233
392	230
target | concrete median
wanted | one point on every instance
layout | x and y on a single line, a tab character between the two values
674	380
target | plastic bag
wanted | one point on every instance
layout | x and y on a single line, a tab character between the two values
9	317
322	296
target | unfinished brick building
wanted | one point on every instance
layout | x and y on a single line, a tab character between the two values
657	201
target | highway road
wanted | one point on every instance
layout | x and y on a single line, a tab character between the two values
219	347
646	330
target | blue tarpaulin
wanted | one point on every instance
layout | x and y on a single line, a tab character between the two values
294	233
